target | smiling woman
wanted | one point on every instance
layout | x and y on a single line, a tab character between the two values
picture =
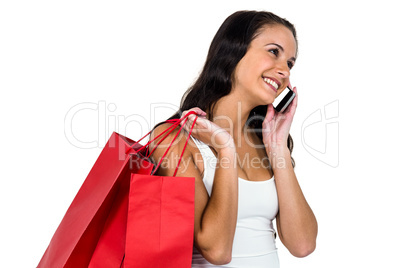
237	131
266	64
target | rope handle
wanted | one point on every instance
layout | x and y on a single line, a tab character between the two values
170	145
166	132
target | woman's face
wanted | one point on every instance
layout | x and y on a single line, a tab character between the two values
263	73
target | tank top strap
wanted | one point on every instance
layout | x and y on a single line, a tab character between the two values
209	160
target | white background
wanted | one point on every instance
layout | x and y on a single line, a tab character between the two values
124	58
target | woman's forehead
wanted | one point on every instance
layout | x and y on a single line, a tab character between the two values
277	34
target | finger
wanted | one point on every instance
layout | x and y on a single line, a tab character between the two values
295	101
270	113
198	111
187	119
188	122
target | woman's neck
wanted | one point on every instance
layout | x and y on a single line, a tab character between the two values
231	113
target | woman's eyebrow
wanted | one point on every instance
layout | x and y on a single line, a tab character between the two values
281	49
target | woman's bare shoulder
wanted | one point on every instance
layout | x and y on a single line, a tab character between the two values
164	134
177	142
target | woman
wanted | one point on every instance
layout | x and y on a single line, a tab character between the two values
239	143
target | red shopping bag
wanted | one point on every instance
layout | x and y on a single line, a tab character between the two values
93	231
110	249
103	194
160	224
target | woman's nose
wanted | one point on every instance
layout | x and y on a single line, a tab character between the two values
283	70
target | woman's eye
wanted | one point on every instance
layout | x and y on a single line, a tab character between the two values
274	51
290	64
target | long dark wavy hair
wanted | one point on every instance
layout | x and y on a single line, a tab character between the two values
228	47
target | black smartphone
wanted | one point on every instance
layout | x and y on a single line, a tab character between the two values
283	100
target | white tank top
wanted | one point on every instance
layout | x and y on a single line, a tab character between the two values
254	240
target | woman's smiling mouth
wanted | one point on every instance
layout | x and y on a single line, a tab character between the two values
274	84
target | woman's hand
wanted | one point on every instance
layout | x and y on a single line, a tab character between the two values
276	126
207	131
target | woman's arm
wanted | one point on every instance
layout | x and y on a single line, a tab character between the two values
215	216
296	223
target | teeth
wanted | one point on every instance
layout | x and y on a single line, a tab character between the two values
269	81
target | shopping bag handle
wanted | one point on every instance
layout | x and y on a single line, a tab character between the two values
175	122
170	145
166	132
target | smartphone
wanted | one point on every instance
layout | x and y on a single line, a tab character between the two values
283	100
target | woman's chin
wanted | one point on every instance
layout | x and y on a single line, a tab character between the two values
267	100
